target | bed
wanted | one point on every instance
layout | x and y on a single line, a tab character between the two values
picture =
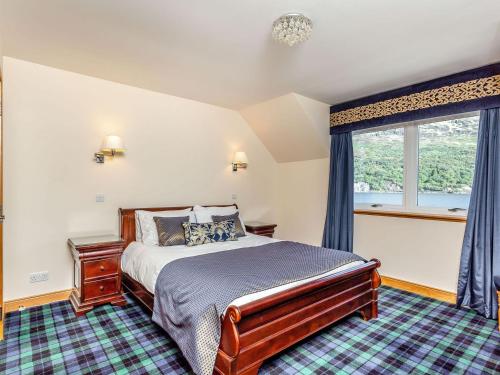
256	326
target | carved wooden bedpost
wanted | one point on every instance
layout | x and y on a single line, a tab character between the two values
229	347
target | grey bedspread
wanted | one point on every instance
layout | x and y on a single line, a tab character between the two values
191	293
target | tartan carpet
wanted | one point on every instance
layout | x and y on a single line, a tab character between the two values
413	335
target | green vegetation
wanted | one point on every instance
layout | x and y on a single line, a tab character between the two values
378	161
446	158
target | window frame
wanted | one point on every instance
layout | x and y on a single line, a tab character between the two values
411	170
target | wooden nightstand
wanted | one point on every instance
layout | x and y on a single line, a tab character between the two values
262	229
98	276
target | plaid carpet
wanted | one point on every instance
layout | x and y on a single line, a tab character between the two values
412	335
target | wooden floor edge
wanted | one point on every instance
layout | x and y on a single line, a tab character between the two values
39	300
63	295
423	290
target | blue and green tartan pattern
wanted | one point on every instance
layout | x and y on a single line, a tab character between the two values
413	335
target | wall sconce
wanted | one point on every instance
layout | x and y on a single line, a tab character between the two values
240	160
111	146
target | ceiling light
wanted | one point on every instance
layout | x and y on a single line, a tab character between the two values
292	28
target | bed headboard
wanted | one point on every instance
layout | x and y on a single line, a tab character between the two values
127	218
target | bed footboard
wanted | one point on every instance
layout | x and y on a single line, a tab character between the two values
256	331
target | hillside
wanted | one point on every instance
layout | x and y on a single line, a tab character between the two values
446	158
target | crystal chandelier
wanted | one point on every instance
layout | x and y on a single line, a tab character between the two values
292	28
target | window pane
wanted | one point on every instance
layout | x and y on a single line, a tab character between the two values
447	152
378	167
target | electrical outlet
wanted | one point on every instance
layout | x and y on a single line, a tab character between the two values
99	198
37	277
234	197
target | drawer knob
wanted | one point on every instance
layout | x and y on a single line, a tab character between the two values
101	288
101	267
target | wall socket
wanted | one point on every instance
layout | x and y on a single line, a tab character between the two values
99	198
37	277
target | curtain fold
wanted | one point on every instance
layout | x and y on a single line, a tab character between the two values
480	260
338	231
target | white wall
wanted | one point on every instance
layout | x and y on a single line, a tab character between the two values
420	251
303	188
178	152
292	127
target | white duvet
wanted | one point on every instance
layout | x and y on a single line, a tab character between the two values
144	262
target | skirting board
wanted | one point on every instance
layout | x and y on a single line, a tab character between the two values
39	300
63	295
426	291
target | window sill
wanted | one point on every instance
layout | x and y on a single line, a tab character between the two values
412	215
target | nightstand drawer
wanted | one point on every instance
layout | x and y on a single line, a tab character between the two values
259	228
100	288
264	232
100	268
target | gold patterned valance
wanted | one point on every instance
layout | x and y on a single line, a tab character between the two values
429	99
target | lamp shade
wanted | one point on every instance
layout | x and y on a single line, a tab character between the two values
112	143
240	158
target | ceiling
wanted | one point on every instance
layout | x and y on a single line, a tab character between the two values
292	127
221	51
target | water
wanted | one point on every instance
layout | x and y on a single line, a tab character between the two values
442	200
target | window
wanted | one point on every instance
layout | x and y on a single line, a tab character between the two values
425	166
379	167
446	157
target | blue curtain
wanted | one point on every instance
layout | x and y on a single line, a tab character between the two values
338	229
480	260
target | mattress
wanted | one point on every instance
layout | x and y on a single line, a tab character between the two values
143	263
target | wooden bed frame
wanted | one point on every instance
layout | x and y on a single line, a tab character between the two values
253	332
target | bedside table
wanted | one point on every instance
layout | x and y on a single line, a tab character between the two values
97	272
262	229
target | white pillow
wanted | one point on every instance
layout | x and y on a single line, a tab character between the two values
204	214
147	231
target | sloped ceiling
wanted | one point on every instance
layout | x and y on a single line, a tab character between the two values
292	127
221	51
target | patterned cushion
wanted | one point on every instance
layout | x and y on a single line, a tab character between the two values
240	232
170	230
199	234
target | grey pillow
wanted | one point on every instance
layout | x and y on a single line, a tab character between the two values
240	232
170	230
